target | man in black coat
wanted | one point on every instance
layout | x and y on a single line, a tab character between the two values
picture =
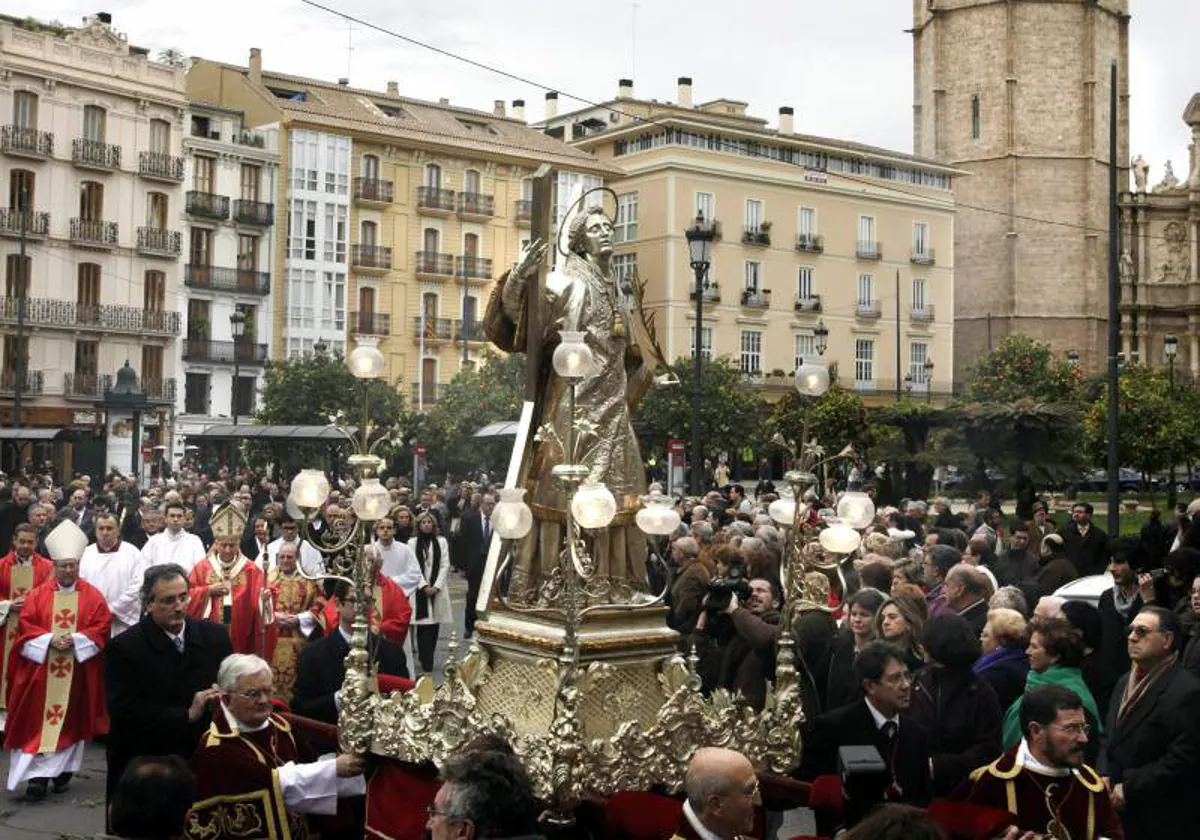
1154	732
474	537
160	675
1122	602
322	665
1085	544
879	720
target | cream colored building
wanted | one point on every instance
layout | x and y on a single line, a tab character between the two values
812	231
400	213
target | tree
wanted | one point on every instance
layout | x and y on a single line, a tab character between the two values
1022	368
909	450
835	419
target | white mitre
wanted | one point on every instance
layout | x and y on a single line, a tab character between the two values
66	542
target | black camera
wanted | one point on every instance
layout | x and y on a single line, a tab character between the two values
721	589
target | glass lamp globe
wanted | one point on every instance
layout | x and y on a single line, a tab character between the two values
812	380
572	358
311	489
593	505
783	511
658	517
366	361
856	509
293	509
840	538
512	518
371	501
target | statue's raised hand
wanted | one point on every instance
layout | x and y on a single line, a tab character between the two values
527	264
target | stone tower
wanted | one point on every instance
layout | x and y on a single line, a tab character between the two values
1016	92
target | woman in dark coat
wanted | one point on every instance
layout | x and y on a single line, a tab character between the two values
955	705
837	684
1004	664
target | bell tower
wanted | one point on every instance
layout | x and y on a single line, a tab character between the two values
1016	92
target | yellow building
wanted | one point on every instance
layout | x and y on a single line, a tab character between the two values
395	214
812	231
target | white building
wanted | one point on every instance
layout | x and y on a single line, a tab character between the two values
231	175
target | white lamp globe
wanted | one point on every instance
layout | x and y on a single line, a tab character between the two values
856	509
293	509
658	517
593	505
367	362
572	358
511	518
311	489
783	511
371	500
840	538
812	380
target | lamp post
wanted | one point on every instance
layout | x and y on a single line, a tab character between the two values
699	239
237	327
928	380
821	334
1170	348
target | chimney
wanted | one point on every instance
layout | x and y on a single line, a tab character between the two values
551	105
786	119
443	100
518	109
498	108
393	90
625	89
344	82
104	17
256	65
684	98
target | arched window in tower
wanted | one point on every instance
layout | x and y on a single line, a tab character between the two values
975	117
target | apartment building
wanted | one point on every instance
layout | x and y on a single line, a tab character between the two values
90	137
232	175
814	234
400	213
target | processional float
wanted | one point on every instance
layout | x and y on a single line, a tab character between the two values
573	662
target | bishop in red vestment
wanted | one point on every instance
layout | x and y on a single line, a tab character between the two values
20	571
228	588
56	698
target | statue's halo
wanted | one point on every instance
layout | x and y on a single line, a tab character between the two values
577	206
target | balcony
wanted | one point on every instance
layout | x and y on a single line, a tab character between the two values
95	154
711	293
476	206
809	243
760	235
756	298
923	314
812	303
432	329
867	309
926	257
36	224
473	268
86	385
157	242
207	205
373	191
426	394
249	212
158	390
435	202
34	382
523	211
199	349
26	142
371	258
473	331
158	166
93	233
237	280
430	265
868	250
370	323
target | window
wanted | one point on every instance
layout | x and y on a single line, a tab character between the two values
470	308
333	301
16	271
200	246
87	287
625	270
337	165
627	217
154	291
370	167
918	352
706	206
806	348
706	343
751	360
91	201
152	363
864	361
195	393
93	123
243	395
975	117
866	234
302	230
753	276
14	351
804	282
251	177
20	190
198	320
87	358
471	245
866	291
160	137
369	234
920	243
433	176
156	210
918	294
25	109
203	173
754	215
471	182
247	258
431	240
304	157
302	294
807	223
527	189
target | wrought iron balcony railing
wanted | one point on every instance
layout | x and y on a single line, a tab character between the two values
34	222
476	204
158	242
869	250
923	313
95	154
756	236
50	312
86	384
207	205
242	281
756	298
711	292
160	166
371	257
34	381
370	323
868	309
433	264
158	390
432	329
199	349
432	198
473	268
926	257
27	142
373	189
94	233
812	303
810	243
253	212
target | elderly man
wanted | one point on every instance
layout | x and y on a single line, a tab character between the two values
966	594
722	793
688	589
484	794
310	559
174	545
40	517
56	696
115	568
250	768
227	588
78	510
938	561
297	604
20	571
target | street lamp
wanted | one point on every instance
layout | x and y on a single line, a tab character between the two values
237	327
1170	348
821	333
928	380
699	239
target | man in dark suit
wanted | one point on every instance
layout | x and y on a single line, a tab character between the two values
879	720
1154	732
1086	545
160	675
80	512
474	536
966	591
322	665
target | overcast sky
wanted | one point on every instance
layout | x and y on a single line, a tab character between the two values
845	65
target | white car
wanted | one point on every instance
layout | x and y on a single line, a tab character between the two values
1087	589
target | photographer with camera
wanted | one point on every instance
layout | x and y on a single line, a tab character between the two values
688	588
746	659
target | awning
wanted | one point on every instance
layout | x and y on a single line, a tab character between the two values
36	434
252	432
505	428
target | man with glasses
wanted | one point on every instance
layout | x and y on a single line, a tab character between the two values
1043	781
160	676
484	794
1154	732
722	793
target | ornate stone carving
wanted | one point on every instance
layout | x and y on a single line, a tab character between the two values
1169	181
1172	254
1141	171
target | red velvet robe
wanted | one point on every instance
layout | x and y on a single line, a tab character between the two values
394	605
86	711
43	570
245	621
295	595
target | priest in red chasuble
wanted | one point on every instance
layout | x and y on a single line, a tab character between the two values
391	611
226	587
56	694
20	571
252	778
298	607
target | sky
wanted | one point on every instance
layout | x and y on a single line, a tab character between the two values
844	65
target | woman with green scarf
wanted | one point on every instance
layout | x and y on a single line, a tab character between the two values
1055	653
